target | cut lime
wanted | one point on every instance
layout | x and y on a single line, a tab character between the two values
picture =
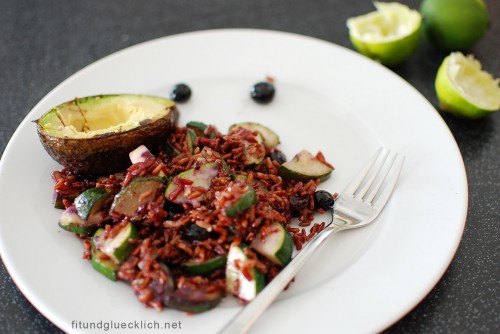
454	25
389	35
465	90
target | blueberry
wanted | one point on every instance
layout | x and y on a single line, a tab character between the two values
323	199
193	232
180	92
262	92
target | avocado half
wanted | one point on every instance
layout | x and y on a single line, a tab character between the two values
94	135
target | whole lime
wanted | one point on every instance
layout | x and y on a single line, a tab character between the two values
454	25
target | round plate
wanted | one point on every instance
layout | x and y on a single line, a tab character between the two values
328	99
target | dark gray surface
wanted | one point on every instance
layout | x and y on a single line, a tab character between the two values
44	42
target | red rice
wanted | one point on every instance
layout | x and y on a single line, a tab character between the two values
160	239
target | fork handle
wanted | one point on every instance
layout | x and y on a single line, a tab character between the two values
244	319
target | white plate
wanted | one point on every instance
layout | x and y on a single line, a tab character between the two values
328	98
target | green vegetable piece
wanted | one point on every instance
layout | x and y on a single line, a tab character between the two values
170	150
119	247
200	177
139	191
90	201
237	283
72	222
191	300
198	127
304	167
106	267
275	243
248	199
190	139
205	267
269	138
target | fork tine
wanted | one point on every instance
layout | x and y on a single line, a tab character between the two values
379	178
382	196
358	180
372	174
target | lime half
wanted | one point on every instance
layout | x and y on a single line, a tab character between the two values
464	89
389	35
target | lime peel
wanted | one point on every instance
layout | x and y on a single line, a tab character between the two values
454	25
389	35
464	89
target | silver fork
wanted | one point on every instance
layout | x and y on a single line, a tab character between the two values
358	205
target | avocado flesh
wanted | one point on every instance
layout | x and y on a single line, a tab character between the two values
94	135
91	116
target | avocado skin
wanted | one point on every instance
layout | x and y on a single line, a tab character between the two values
106	153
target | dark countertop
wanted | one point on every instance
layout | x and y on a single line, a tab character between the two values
44	42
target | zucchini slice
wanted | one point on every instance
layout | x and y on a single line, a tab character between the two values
198	127
119	247
58	199
248	199
140	191
304	167
179	192
244	283
254	152
72	222
256	157
194	300
275	243
203	267
170	149
90	201
256	184
106	267
269	137
190	139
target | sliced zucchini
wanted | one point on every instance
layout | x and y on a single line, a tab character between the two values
243	282
275	243
225	166
106	267
171	150
72	222
203	267
119	247
159	285
190	139
239	177
194	299
256	184
90	201
138	192
248	199
59	199
270	138
198	127
253	158
304	167
196	177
